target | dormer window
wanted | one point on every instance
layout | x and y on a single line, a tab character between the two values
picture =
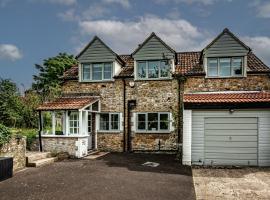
97	71
154	69
225	67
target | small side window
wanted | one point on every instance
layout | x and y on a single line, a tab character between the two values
212	67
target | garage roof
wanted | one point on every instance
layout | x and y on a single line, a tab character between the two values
228	97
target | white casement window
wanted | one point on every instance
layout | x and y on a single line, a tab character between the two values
97	71
225	67
109	122
153	122
74	123
154	69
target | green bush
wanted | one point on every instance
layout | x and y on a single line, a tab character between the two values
5	134
29	133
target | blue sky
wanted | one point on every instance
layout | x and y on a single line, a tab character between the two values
32	30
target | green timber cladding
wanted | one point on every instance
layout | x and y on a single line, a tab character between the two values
96	51
226	45
153	48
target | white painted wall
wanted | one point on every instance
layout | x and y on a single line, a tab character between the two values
81	144
197	148
187	137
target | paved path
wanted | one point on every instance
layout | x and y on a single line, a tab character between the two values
113	177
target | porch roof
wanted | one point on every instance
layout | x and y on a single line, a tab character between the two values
228	97
67	103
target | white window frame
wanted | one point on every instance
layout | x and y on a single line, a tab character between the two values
146	123
147	69
231	67
110	121
91	72
73	127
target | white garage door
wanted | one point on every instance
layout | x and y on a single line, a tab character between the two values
231	141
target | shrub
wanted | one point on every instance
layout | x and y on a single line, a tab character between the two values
5	134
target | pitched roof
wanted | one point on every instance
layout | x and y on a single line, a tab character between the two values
67	103
92	41
228	97
226	30
189	63
147	39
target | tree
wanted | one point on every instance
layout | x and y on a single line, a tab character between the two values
10	103
31	100
47	82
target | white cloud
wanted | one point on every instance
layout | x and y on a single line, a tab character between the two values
69	15
203	2
62	2
9	52
124	36
260	46
124	3
264	10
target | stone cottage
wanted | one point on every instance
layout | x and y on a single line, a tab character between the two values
213	105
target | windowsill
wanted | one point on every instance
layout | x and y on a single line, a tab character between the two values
64	136
153	79
152	132
110	131
225	77
96	81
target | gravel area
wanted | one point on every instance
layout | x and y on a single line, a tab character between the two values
245	183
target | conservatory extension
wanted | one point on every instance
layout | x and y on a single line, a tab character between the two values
67	124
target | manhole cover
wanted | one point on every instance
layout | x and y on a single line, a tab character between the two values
151	164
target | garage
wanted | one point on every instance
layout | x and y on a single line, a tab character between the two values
231	141
224	137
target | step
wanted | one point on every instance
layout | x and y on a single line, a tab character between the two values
42	162
33	156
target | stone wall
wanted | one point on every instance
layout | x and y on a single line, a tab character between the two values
16	148
60	144
251	82
154	142
151	96
110	142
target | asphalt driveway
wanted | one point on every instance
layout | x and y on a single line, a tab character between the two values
114	176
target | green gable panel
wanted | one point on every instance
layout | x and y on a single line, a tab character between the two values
153	48
225	45
96	51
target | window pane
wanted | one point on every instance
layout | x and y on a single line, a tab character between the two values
142	69
153	68
164	68
141	122
224	66
107	71
152	121
114	121
86	72
237	64
164	121
104	121
212	67
95	106
97	72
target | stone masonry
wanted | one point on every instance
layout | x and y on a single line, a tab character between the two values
16	148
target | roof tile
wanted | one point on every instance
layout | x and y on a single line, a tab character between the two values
233	97
67	103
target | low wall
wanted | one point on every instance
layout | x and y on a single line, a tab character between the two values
74	146
16	148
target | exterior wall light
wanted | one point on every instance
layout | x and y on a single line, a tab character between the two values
131	84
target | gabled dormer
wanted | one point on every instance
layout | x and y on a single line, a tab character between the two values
153	59
225	56
98	63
